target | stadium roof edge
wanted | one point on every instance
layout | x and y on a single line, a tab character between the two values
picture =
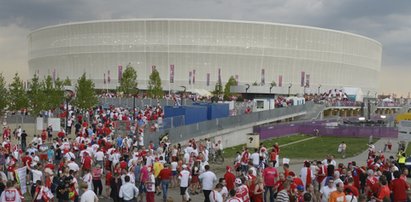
202	20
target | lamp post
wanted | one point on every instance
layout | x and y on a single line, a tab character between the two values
289	88
318	91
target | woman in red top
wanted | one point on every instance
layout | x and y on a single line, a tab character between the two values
258	190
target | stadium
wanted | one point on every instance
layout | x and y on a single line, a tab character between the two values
198	53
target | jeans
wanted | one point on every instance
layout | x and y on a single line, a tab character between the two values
206	195
98	185
164	186
266	189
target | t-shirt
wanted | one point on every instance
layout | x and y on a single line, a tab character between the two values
88	196
326	191
99	156
384	192
36	175
184	178
242	192
337	196
10	195
150	185
207	180
165	174
255	157
215	196
269	175
399	188
282	196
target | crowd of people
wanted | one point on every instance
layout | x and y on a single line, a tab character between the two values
99	162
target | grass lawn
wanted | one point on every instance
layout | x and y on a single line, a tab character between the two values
311	149
319	147
230	152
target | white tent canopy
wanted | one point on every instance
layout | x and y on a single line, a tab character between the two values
200	92
356	92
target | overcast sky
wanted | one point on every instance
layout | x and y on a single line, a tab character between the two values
386	21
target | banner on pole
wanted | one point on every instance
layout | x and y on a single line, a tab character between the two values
120	73
190	74
302	78
208	79
194	76
171	73
262	76
280	80
108	76
307	80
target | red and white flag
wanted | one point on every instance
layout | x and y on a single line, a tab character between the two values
171	73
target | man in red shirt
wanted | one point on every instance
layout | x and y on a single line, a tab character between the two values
87	161
399	187
270	177
165	176
229	178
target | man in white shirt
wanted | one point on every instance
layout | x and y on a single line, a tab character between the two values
88	195
37	175
128	191
99	157
255	157
207	179
215	195
73	166
326	190
184	177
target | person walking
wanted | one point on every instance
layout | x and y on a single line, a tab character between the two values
207	179
97	184
270	177
165	177
128	191
184	178
115	185
342	149
88	195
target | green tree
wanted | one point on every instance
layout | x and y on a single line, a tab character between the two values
273	84
85	95
18	96
154	85
67	82
36	95
227	92
128	83
57	94
255	83
4	98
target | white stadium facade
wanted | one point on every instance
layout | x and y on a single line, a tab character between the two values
202	51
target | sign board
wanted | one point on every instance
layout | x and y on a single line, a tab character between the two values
55	124
39	123
253	140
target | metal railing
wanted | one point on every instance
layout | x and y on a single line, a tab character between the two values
183	133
